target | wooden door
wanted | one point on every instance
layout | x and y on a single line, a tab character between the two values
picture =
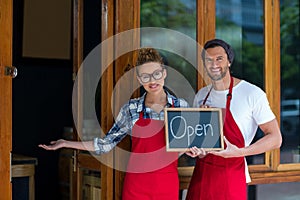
5	98
116	16
91	178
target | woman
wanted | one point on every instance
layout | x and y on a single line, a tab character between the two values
151	171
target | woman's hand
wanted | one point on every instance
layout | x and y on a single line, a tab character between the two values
204	106
194	152
54	145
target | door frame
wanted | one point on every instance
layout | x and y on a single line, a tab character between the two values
117	16
6	21
82	160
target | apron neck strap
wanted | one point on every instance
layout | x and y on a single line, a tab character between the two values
204	101
229	95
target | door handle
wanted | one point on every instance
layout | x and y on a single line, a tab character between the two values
10	71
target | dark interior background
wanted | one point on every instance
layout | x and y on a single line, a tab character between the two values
42	102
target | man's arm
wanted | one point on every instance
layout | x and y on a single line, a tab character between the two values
271	140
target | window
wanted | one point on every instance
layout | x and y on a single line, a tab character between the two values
290	73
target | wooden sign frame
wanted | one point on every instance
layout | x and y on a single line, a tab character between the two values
199	131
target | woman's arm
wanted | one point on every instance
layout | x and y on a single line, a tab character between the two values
54	145
118	131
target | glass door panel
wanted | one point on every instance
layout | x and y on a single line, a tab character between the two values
91	184
290	73
177	15
87	36
91	39
240	23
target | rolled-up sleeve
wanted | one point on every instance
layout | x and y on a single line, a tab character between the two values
119	130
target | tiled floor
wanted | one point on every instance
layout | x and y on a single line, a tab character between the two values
279	191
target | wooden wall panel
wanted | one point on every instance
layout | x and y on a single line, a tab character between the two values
77	56
272	66
206	27
127	18
107	82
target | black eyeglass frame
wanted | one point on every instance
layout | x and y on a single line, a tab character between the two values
152	75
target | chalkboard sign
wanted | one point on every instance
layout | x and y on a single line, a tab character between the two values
188	127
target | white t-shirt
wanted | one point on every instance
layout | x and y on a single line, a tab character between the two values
249	107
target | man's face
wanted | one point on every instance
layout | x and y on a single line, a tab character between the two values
216	63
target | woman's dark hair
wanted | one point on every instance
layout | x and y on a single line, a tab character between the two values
148	55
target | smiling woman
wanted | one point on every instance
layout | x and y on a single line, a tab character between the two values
142	118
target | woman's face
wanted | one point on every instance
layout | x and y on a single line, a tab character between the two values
152	76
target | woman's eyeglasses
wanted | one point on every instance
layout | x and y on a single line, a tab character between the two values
157	74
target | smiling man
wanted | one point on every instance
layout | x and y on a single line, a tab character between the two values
223	175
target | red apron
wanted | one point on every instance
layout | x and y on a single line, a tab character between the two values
218	178
151	171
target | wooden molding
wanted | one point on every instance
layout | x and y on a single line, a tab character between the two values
6	22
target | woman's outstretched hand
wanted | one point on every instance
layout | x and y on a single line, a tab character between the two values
54	145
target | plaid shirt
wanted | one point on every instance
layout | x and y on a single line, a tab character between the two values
127	117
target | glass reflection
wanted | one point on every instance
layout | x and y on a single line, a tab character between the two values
178	15
240	23
290	73
91	184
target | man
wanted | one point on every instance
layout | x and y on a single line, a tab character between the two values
224	174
